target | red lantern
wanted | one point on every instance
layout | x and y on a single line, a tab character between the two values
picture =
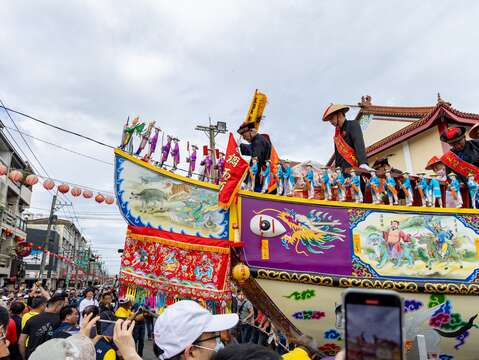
31	179
23	248
99	198
64	188
48	184
3	169
109	200
15	175
76	191
87	194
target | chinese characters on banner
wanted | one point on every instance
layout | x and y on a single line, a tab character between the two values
235	169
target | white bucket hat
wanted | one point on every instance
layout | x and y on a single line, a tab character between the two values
183	322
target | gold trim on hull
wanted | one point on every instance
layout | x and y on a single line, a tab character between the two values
347	282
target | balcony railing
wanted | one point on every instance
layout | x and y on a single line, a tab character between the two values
13	220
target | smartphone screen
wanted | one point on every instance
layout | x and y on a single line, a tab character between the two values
105	328
373	325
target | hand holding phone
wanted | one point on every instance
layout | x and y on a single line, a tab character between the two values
373	324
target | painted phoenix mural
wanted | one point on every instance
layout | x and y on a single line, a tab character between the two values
290	236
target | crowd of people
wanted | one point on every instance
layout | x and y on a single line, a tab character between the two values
39	324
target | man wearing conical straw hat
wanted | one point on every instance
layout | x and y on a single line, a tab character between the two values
349	149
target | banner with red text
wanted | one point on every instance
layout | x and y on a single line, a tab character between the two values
235	170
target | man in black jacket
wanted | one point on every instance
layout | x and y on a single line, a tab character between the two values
465	157
349	149
259	146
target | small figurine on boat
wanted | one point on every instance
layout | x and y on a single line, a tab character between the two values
391	189
175	153
473	189
435	194
309	181
423	188
455	189
326	183
289	180
340	182
355	182
191	160
165	150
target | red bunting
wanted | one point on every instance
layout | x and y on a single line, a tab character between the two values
235	170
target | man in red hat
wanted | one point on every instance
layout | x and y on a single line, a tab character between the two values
349	149
259	146
463	158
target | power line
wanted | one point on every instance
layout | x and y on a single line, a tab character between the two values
57	127
60	147
35	156
28	145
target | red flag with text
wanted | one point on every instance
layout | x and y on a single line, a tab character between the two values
235	170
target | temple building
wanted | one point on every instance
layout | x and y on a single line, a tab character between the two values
408	136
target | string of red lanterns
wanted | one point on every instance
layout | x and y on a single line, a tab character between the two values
25	248
49	184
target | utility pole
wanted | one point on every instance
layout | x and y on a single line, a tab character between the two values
47	238
76	251
51	218
211	131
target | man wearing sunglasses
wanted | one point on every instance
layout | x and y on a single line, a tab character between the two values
186	330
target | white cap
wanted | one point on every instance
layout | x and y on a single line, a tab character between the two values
183	322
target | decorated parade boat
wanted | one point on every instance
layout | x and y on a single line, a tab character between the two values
186	240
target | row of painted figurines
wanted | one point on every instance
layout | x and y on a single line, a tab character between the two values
171	147
430	193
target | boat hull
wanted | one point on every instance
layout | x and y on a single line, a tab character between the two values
303	253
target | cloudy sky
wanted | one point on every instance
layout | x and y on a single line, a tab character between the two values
87	65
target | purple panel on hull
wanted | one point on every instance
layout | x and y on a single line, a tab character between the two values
299	237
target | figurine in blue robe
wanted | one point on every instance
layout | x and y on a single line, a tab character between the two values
455	188
279	179
375	186
310	181
435	191
473	189
355	183
326	184
391	189
339	181
288	179
407	188
253	172
423	188
266	174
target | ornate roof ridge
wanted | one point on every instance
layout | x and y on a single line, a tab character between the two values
404	111
412	129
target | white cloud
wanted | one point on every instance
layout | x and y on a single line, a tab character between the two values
87	65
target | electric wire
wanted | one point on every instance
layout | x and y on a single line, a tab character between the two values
60	147
57	127
37	160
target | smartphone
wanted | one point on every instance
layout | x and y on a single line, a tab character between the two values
373	324
105	327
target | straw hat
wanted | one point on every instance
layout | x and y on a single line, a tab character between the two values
331	109
474	132
433	161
